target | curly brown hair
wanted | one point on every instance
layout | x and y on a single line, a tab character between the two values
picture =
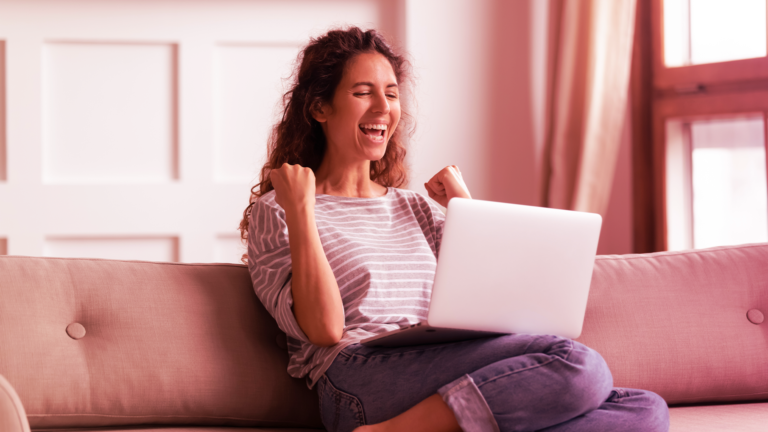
299	139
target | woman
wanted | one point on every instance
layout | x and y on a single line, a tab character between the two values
337	253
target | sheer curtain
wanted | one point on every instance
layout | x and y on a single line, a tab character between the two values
590	79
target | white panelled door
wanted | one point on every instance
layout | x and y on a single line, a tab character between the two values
134	130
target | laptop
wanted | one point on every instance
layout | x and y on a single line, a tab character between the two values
506	268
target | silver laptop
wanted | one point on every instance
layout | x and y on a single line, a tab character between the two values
506	268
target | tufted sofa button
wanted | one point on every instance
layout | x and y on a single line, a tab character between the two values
755	316
76	330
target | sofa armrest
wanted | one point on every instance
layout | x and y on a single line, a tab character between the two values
12	415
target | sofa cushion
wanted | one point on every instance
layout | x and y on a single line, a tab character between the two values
676	322
718	418
160	343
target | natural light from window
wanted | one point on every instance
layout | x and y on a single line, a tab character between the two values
709	31
730	204
716	182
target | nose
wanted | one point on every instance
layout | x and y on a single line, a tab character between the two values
380	104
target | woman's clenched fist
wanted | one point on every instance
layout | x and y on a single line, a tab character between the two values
447	184
294	187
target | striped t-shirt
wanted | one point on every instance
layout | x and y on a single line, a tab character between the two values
383	252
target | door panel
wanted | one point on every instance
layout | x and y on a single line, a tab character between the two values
135	129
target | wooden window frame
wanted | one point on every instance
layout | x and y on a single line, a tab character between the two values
682	77
702	91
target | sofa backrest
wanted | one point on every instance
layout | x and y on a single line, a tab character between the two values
677	323
191	344
163	343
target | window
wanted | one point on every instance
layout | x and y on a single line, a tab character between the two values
709	109
710	31
716	181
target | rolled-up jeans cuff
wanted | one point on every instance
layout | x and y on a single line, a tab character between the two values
468	405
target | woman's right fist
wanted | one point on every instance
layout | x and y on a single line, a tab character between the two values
294	187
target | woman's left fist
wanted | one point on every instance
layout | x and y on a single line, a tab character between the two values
447	184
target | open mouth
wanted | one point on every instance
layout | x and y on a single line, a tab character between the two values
374	132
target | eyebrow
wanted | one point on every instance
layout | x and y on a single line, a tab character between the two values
370	84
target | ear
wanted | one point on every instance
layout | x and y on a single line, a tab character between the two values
320	111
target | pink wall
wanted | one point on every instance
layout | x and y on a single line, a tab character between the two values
517	85
480	92
616	235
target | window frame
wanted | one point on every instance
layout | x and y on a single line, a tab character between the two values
682	77
703	91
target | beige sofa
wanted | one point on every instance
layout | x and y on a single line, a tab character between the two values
102	345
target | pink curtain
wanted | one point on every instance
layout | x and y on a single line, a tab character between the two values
592	58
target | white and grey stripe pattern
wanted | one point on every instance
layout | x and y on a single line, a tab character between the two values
383	252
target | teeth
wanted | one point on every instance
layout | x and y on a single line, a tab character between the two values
374	126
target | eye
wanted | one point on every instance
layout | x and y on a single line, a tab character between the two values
362	94
392	95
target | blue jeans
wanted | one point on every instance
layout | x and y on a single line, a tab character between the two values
504	383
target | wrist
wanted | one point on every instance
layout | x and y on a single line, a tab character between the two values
300	207
301	215
458	195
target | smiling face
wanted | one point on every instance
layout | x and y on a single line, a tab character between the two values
364	112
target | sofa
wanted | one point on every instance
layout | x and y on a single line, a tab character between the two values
102	345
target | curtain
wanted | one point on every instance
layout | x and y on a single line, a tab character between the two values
590	83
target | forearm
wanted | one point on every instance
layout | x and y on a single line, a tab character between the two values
316	299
